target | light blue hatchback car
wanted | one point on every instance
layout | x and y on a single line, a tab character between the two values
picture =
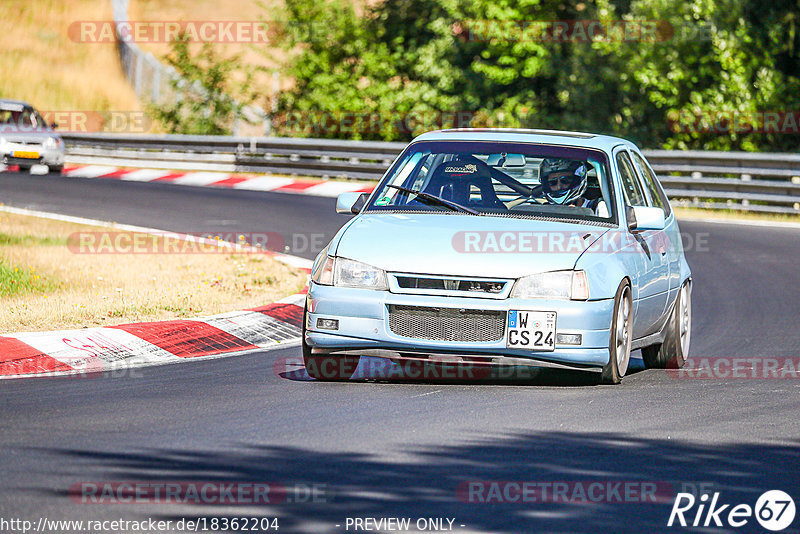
504	247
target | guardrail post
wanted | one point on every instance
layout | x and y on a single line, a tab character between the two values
156	85
138	83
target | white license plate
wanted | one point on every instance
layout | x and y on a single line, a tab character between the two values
531	330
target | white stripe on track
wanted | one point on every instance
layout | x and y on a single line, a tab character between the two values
263	183
90	171
96	349
332	189
143	175
298	299
255	328
200	178
292	261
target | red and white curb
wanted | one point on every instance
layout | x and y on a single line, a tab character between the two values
220	179
94	350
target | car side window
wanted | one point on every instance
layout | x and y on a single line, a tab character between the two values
657	196
632	190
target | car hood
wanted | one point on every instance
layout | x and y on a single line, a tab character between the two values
463	245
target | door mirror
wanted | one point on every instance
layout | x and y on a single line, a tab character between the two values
351	203
645	218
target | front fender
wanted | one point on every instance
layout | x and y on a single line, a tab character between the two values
608	261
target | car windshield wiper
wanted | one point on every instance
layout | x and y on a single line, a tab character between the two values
433	199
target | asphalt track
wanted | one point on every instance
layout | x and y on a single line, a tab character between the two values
383	449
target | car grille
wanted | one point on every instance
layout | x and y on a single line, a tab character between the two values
447	324
445	284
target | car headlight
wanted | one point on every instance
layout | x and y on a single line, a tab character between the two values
322	273
52	143
557	284
342	272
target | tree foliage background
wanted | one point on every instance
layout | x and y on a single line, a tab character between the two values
204	86
394	68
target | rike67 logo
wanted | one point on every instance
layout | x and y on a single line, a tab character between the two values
774	510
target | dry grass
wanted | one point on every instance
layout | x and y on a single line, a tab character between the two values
84	290
39	63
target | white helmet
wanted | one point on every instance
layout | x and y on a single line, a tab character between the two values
569	182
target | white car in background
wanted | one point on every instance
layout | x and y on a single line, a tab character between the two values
27	140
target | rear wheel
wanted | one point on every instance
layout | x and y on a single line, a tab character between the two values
674	350
619	343
327	368
24	168
55	169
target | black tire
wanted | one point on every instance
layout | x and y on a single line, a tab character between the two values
327	368
672	353
55	169
612	373
24	168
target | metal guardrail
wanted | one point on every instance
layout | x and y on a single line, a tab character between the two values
759	182
746	181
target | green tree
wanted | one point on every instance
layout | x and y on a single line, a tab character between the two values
726	59
706	59
207	101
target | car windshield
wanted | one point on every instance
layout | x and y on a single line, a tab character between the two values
15	117
499	179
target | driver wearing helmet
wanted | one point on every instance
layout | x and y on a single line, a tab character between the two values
564	182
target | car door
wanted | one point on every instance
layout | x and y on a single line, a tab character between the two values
658	198
650	254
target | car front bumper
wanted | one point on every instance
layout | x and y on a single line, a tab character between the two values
45	156
363	327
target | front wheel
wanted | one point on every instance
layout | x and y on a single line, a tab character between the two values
327	368
619	343
674	350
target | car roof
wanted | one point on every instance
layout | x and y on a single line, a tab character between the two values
518	135
14	102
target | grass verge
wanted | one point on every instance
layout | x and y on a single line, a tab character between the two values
43	65
48	283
